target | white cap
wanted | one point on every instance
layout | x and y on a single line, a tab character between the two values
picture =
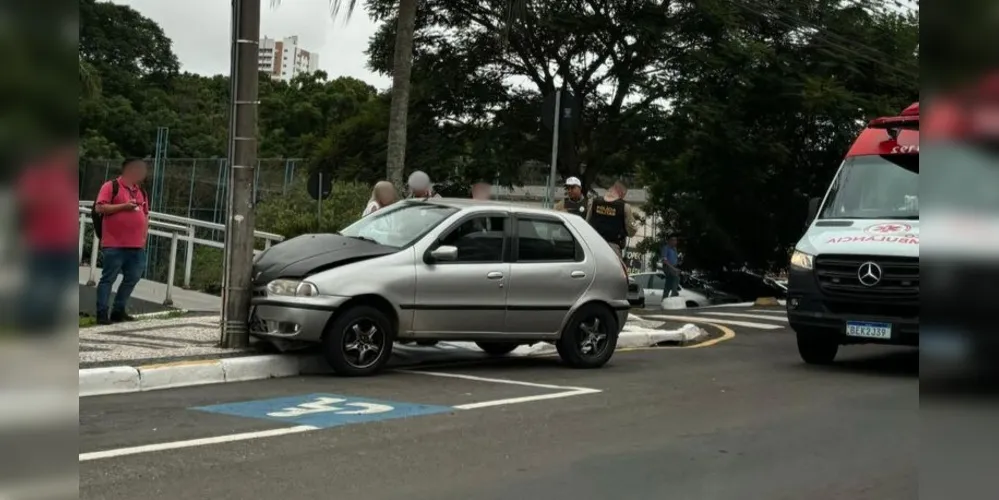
419	181
573	181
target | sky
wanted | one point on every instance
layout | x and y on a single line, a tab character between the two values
200	33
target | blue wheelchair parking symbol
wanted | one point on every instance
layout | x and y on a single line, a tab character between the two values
324	410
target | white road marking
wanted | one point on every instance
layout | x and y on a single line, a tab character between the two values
780	312
564	391
749	316
702	319
191	443
525	399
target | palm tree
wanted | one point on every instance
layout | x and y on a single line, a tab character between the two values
90	81
401	69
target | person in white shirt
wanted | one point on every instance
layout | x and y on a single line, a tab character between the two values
420	186
382	196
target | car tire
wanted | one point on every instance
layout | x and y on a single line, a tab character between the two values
348	341
589	338
817	348
497	348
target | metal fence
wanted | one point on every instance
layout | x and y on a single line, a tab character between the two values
194	187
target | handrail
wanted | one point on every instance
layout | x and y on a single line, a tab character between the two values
169	226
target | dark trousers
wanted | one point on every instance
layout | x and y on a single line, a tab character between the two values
672	288
130	263
51	273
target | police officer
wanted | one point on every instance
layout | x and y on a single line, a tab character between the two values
612	217
574	201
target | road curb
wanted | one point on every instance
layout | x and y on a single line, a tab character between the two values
126	379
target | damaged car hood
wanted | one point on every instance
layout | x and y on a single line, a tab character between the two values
303	255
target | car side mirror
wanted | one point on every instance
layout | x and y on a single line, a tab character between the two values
444	253
813	210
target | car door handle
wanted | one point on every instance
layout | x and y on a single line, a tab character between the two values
495	275
578	274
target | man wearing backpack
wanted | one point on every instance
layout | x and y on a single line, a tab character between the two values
122	224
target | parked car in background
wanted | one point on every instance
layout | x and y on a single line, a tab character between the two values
495	273
694	292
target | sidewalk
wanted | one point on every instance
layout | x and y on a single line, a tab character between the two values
150	341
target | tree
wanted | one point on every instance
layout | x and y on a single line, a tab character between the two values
486	77
765	103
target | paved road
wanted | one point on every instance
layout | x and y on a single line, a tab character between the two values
741	419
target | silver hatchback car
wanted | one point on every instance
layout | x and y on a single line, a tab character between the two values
495	273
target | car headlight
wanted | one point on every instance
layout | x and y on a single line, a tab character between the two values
801	260
292	288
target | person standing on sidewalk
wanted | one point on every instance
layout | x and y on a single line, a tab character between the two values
671	262
124	209
574	201
46	194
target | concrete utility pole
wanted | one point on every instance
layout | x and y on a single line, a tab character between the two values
239	223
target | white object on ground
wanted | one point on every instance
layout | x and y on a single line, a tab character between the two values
673	303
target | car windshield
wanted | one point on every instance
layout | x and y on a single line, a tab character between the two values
875	187
399	225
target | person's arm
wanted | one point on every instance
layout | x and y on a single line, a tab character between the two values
630	223
589	210
559	205
103	204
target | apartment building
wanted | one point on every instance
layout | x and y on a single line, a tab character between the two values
283	59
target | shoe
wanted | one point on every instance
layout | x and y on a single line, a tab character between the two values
120	316
103	319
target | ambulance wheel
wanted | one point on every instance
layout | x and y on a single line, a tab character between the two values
817	348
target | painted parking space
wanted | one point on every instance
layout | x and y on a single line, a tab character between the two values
323	411
120	425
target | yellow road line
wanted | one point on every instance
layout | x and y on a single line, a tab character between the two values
727	334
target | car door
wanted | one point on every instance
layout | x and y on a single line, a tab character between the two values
548	274
467	296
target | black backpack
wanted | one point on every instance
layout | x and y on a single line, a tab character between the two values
99	217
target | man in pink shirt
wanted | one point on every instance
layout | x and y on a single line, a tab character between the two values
125	221
47	192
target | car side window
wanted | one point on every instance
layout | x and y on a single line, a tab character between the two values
658	282
544	241
479	239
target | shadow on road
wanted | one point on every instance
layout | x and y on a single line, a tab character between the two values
895	363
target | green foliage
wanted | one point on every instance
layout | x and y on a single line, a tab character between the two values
763	115
296	213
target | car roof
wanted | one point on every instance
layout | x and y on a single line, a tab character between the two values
475	205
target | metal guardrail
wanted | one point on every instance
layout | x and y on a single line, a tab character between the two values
168	226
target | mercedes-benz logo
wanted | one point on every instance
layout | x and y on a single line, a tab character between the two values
869	274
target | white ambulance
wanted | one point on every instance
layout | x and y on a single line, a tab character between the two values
854	275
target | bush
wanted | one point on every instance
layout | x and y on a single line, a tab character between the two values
296	213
